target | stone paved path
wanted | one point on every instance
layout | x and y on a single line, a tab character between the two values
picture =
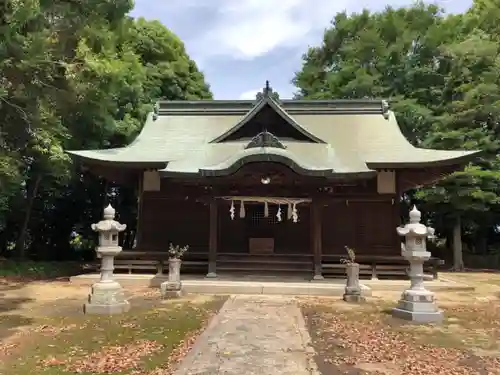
264	335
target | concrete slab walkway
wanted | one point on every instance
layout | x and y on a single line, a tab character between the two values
264	335
278	285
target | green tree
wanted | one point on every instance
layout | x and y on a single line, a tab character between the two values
171	73
48	51
390	54
440	73
75	75
469	120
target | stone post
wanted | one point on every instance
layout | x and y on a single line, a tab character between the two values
172	288
107	296
352	292
417	303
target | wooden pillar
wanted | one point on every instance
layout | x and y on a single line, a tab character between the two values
316	238
138	226
212	243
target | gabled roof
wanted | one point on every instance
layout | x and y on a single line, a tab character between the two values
263	100
346	136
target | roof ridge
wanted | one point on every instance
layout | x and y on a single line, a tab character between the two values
239	107
166	103
266	99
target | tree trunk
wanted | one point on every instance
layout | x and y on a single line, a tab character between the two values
458	259
20	249
447	252
481	243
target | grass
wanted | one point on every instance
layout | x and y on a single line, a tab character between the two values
366	337
154	335
32	270
474	278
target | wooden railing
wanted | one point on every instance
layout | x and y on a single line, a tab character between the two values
197	262
132	260
375	266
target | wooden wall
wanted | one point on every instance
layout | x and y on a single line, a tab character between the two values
366	226
181	222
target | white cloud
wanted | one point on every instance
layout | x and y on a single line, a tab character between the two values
246	29
250	94
232	40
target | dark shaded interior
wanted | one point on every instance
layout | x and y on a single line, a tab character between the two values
267	119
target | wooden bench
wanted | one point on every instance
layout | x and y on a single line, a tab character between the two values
195	266
133	260
338	270
430	270
134	264
398	266
393	270
375	266
433	265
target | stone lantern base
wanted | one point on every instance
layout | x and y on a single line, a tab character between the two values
168	290
418	307
106	298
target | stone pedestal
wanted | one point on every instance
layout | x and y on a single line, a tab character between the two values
212	274
352	292
417	303
318	275
172	288
107	296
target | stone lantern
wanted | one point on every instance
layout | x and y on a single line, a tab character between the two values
107	296
417	303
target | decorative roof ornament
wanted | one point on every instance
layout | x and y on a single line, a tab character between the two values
156	111
265	139
266	91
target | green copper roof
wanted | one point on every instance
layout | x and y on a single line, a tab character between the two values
346	137
305	158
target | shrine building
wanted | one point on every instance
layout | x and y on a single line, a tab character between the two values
271	186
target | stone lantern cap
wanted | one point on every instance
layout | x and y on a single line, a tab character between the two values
414	228
415	234
108	224
108	230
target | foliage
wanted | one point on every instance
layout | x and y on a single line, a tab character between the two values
351	256
442	76
176	251
75	75
29	270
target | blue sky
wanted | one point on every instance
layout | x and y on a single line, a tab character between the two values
239	44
